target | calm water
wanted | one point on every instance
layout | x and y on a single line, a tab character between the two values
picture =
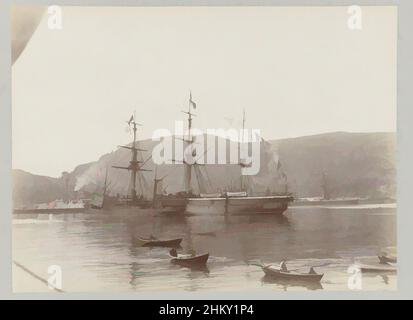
96	253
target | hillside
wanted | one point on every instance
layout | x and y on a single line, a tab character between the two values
29	188
355	164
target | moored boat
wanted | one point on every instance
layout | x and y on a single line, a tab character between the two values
310	285
278	273
154	242
188	260
326	200
387	259
379	268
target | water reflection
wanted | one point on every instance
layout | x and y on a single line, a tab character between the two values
100	248
196	271
285	284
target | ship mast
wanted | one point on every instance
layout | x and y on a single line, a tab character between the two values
134	163
239	148
188	166
105	186
324	186
241	140
156	183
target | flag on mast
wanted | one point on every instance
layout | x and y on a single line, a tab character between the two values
191	101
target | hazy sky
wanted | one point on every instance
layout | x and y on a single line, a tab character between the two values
296	71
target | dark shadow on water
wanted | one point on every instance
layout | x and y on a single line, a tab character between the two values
195	270
277	219
285	284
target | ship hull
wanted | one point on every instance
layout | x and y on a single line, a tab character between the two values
171	206
237	205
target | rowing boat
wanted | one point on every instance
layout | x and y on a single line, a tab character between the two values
277	273
310	285
380	268
153	242
387	259
190	260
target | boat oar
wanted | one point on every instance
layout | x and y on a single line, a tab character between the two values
258	264
322	265
262	265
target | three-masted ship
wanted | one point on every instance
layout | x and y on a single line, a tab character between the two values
228	202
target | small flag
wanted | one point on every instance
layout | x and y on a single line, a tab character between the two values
130	120
191	101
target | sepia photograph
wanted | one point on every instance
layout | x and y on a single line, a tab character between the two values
204	149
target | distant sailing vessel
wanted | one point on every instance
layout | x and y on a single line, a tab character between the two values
103	200
326	199
237	202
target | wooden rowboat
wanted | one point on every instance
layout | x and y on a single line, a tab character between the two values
153	242
379	268
191	261
310	285
387	259
277	273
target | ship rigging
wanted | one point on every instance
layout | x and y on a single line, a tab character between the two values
135	168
